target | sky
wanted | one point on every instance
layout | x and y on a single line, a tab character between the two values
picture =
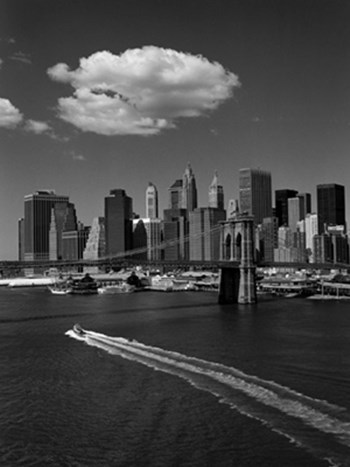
97	95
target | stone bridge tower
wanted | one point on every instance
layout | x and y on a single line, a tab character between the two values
237	280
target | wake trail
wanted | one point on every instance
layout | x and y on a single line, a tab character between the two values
317	425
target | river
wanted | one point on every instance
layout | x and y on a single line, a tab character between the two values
173	379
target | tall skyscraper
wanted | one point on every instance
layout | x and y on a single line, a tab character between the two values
189	189
255	193
118	222
37	219
294	212
96	243
151	202
281	204
216	193
330	205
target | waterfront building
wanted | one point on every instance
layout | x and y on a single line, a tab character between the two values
204	233
255	193
281	205
216	193
189	189
268	238
151	202
323	248
118	222
330	205
37	219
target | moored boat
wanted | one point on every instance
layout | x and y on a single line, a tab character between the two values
116	288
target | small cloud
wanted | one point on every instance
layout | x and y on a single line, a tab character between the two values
77	157
10	116
21	57
1	62
9	40
214	131
256	120
141	91
37	127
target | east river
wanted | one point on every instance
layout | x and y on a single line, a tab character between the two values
173	379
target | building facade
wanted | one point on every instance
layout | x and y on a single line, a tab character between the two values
204	233
255	193
118	222
330	205
281	205
37	219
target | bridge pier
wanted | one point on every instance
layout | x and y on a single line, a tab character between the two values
237	285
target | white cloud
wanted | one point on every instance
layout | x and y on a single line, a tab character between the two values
21	57
37	127
141	91
10	116
1	62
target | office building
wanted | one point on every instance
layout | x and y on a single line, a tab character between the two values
189	189
330	206
268	238
118	222
305	204
281	205
151	202
74	242
255	193
139	239
204	233
216	193
294	212
37	219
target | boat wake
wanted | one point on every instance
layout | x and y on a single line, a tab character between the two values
316	425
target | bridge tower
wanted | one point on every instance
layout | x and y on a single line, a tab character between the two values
237	284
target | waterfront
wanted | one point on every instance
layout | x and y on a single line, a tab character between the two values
67	403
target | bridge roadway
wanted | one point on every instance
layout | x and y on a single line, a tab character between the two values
123	262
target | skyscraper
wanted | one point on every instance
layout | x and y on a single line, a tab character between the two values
281	204
37	218
189	189
216	193
204	233
151	202
255	193
330	205
118	222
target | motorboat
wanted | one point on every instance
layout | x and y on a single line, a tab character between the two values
78	329
57	290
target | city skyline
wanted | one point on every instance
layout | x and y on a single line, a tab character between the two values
281	71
